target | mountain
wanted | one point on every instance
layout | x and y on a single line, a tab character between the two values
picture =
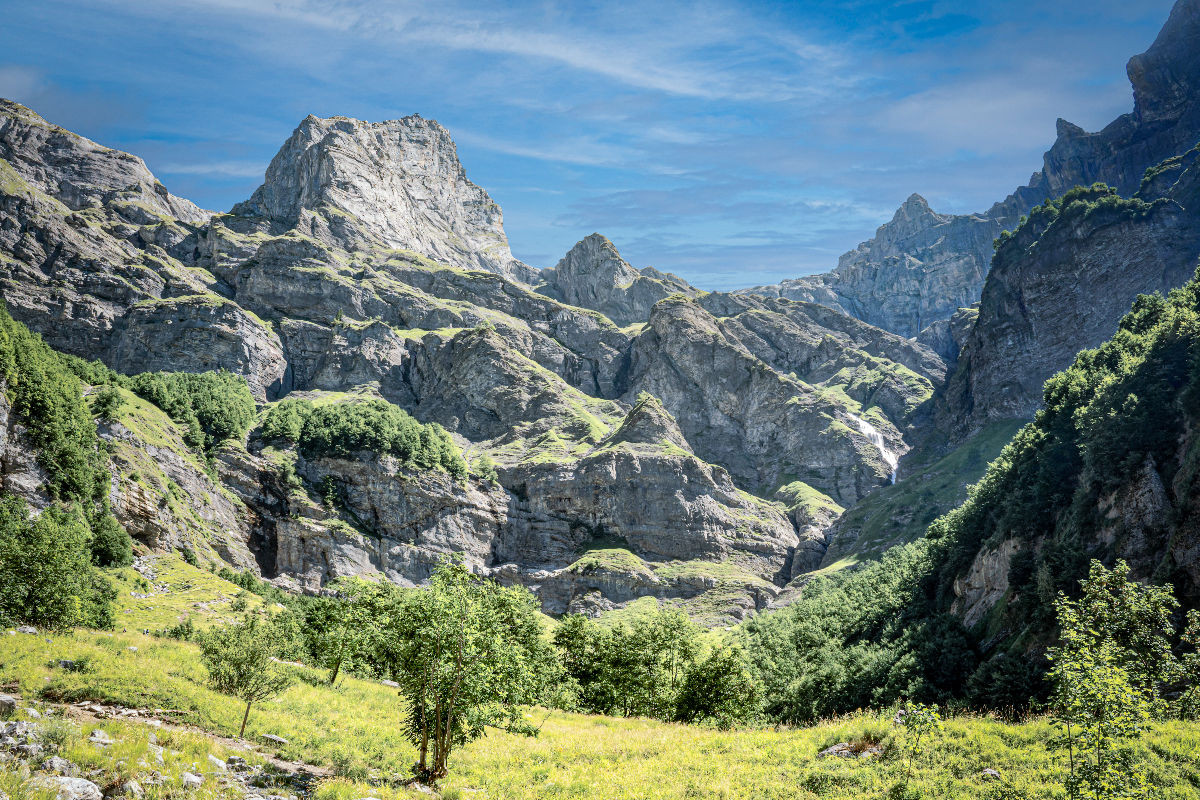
918	270
695	453
593	275
398	184
922	266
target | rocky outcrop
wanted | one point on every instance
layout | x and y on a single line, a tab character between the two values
163	495
81	174
397	183
918	269
985	583
1060	284
594	275
20	473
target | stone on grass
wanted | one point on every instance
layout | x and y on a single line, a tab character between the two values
27	629
33	713
132	789
100	737
392	684
60	766
215	762
273	739
191	781
69	788
990	774
8	706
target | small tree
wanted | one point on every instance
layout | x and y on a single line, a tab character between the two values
238	658
918	724
1104	672
470	656
107	402
1189	702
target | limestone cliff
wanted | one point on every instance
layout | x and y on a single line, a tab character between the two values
398	183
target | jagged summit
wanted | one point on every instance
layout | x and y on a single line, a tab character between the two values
593	275
396	184
80	173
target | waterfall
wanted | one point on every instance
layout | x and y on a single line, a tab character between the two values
868	430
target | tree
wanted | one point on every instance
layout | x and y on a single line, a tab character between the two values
719	688
238	658
107	402
1102	695
470	656
918	724
46	574
111	545
341	626
1189	702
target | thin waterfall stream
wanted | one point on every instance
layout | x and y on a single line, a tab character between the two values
876	438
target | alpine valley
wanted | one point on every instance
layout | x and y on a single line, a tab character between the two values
608	435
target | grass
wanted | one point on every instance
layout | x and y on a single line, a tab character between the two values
132	756
190	592
354	729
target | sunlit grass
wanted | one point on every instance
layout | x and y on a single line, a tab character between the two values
354	730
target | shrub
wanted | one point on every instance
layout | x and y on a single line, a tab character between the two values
46	573
111	545
342	430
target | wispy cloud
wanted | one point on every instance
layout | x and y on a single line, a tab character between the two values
232	169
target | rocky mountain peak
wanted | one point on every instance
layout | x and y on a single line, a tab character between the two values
80	173
594	275
396	184
1165	76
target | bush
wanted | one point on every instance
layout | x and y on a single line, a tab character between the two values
46	573
211	407
106	403
111	545
238	659
341	430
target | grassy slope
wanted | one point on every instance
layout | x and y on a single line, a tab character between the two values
190	592
901	513
354	729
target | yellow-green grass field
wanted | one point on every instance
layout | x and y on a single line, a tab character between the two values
353	730
189	592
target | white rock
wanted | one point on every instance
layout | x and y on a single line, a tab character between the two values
69	788
216	762
191	781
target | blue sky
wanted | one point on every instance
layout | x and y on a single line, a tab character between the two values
733	143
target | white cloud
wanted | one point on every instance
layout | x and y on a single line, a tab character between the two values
230	169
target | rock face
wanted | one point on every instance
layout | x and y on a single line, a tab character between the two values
594	275
1060	286
921	267
398	183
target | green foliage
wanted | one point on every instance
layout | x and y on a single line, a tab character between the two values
918	725
650	667
189	556
238	659
860	639
211	407
718	688
1100	698
285	420
46	396
471	656
485	469
106	403
110	545
341	430
46	573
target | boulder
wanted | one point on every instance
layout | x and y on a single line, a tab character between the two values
272	739
191	781
100	737
8	706
69	788
27	629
